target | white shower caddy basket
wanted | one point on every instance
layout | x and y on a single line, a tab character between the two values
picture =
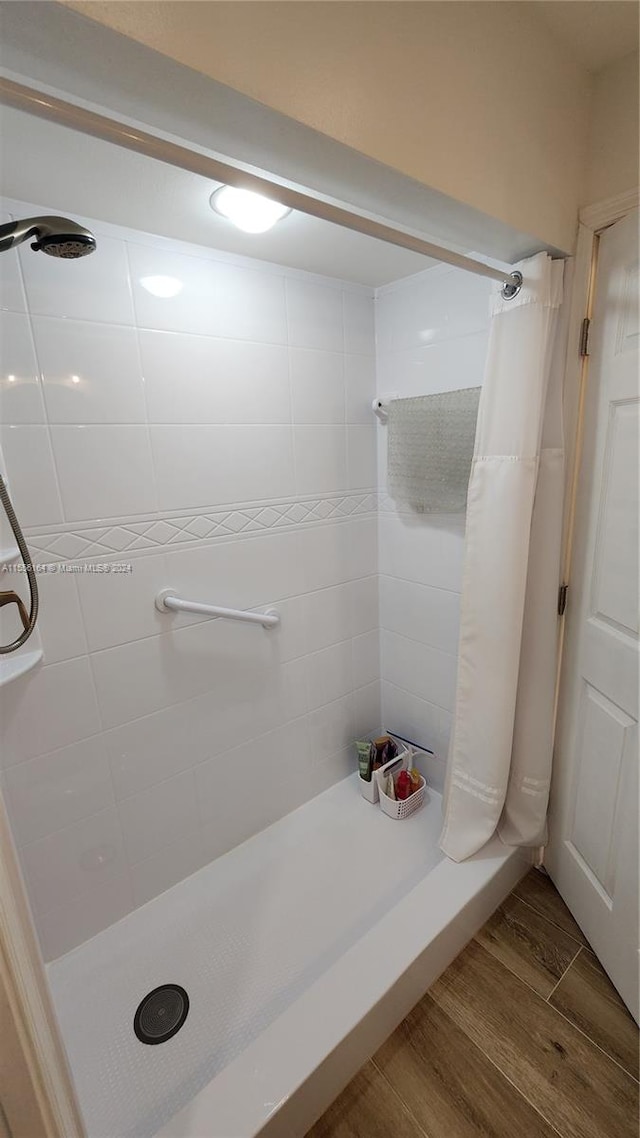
374	793
400	808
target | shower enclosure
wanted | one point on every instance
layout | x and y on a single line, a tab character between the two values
187	414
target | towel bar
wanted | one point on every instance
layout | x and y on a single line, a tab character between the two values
167	601
380	405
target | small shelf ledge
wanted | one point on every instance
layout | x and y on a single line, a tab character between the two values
11	667
8	555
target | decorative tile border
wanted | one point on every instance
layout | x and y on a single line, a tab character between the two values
120	537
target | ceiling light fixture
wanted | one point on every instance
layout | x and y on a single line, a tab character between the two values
250	212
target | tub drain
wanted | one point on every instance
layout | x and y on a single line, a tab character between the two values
161	1014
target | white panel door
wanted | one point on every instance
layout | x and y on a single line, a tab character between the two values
593	848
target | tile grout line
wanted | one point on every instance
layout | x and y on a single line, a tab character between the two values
545	917
497	1068
596	1045
586	1035
422	643
430	703
545	1000
583	948
399	1097
421	584
30	316
146	423
570	965
510	970
617	1002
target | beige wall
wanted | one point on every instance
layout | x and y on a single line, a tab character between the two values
612	164
473	99
19	1105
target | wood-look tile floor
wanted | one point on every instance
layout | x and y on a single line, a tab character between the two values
523	1036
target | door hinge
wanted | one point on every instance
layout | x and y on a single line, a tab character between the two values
562	599
584	336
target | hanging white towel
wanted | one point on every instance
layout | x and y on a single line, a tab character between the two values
430	448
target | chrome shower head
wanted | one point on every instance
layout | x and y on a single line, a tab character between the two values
56	236
66	245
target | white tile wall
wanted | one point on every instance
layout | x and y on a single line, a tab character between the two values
73	921
360	388
256	571
221	381
28	461
170	865
210	465
20	389
361	460
424	549
329	674
431	334
320	458
97	290
176	666
422	612
11	287
366	658
148	744
104	471
419	669
218	780
56	789
60	622
73	860
314	314
216	298
317	386
169	808
91	372
359	324
47	709
115	607
439	305
421	721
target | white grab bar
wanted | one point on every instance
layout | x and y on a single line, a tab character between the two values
166	601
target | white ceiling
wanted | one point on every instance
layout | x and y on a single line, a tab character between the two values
76	174
596	32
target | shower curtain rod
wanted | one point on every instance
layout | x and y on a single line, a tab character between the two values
89	122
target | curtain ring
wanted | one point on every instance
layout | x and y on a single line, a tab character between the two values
512	287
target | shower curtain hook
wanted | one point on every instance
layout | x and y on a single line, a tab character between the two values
512	287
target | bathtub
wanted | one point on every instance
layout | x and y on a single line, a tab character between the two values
300	950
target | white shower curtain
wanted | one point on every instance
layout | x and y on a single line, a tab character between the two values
499	766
